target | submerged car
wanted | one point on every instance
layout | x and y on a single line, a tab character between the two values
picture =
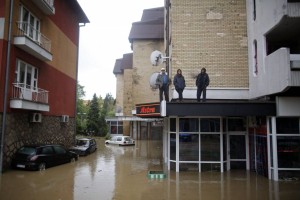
84	146
121	140
40	157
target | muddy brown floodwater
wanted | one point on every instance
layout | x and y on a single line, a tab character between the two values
120	173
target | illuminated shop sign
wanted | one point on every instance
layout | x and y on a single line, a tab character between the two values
148	110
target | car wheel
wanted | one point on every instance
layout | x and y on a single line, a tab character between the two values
72	160
42	166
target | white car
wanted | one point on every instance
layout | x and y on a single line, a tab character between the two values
121	140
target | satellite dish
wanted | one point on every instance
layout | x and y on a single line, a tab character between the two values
156	58
152	80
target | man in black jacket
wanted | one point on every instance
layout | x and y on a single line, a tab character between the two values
202	82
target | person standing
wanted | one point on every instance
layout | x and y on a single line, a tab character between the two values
163	81
179	83
202	82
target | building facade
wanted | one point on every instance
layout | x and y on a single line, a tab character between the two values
39	54
251	118
133	72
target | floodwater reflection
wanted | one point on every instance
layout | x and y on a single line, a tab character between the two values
120	173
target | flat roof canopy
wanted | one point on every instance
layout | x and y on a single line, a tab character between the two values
222	108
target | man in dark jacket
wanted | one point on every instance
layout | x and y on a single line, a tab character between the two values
179	83
202	82
163	81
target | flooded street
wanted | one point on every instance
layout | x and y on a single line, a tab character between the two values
119	173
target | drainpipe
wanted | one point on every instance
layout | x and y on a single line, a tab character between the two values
76	95
6	85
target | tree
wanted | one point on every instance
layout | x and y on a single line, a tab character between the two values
93	117
81	109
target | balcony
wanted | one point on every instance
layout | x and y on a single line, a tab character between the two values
24	97
282	70
47	6
33	42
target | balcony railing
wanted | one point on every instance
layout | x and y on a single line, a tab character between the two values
47	6
25	92
27	30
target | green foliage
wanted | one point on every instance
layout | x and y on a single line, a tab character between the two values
91	114
93	117
81	110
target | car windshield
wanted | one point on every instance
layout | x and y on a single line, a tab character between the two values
127	139
27	150
81	142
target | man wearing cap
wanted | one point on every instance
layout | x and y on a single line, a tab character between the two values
163	81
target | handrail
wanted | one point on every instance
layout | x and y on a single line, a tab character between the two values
26	29
27	92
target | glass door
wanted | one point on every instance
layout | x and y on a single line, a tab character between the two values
237	152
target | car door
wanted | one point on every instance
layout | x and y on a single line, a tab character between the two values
47	156
61	155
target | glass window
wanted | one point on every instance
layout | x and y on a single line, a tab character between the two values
173	124
188	147
29	24
26	75
288	152
287	125
59	150
236	124
173	146
210	147
210	125
47	150
189	125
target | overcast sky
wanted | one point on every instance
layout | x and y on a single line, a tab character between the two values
105	39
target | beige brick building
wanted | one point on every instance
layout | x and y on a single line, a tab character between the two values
210	34
134	70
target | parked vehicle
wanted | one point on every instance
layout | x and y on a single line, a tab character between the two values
121	140
84	146
40	157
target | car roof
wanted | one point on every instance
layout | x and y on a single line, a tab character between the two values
40	145
84	138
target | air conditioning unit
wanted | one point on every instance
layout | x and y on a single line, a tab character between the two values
36	117
64	118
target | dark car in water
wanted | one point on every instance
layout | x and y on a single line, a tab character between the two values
84	146
40	157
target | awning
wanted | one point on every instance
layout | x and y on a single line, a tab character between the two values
132	118
222	108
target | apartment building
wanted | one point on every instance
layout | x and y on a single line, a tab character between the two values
38	55
133	72
251	118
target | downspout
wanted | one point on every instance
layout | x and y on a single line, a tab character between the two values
167	36
76	95
6	85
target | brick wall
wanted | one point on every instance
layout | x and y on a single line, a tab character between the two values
210	34
143	69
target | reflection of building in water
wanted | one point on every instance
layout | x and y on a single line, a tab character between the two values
250	119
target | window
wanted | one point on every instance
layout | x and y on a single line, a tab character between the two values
47	150
59	150
26	75
29	24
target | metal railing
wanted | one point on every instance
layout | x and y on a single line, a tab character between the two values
25	29
49	2
26	92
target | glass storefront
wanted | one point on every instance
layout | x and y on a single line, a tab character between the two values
201	144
